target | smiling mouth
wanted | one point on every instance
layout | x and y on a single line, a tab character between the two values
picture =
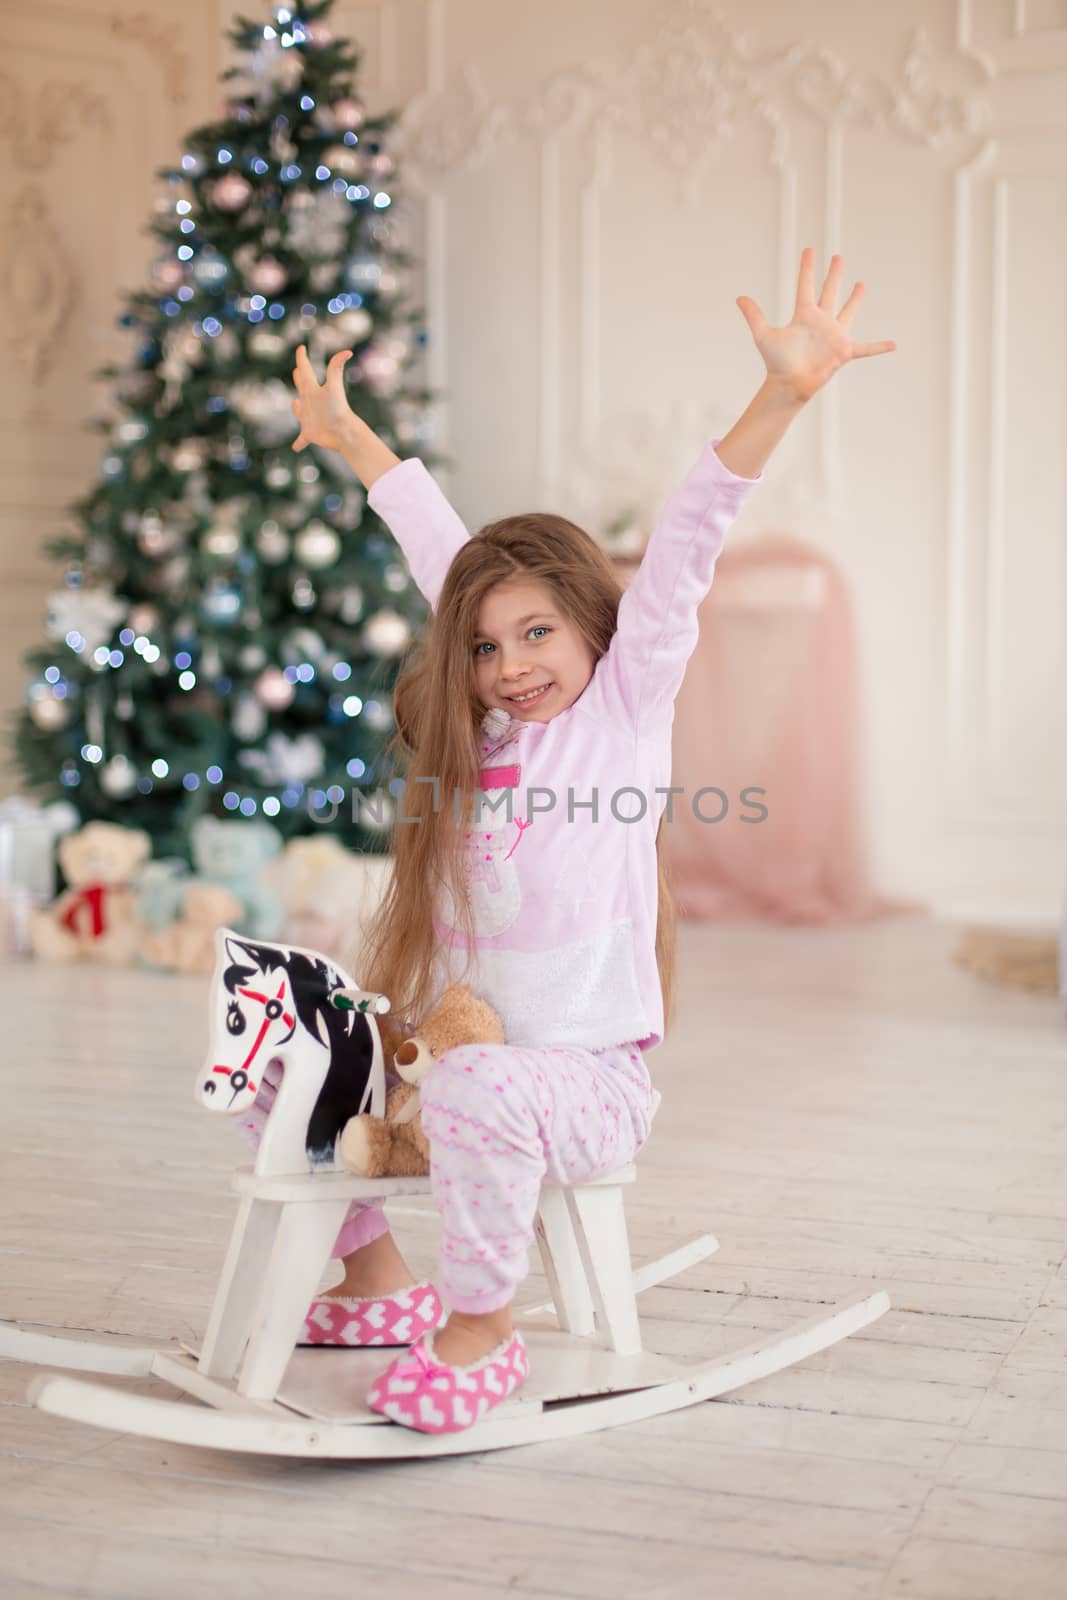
531	698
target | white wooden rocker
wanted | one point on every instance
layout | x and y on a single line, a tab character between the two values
262	1394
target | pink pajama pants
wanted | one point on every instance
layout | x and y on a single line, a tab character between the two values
501	1120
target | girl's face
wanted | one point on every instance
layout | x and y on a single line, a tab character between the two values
525	643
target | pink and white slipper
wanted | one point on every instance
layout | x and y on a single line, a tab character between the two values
389	1320
418	1391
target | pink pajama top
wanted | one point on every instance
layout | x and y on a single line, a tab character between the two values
561	844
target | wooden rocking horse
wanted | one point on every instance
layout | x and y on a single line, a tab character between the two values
271	1003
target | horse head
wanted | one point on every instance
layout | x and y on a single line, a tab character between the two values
275	1003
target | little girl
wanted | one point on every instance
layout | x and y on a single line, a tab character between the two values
536	722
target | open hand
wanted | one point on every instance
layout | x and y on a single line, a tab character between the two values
804	354
322	409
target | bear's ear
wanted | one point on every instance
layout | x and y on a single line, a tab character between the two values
143	846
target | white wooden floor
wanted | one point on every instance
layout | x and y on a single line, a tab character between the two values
845	1110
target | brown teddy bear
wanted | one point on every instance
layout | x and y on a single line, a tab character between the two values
395	1145
188	945
96	916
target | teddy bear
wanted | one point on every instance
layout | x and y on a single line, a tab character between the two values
228	853
395	1145
231	852
328	893
188	945
96	915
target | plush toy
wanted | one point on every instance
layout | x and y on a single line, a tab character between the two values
328	893
229	853
188	945
96	915
395	1145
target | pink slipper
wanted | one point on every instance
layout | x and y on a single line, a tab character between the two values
389	1320
421	1392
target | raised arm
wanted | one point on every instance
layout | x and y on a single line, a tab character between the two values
403	493
657	624
656	633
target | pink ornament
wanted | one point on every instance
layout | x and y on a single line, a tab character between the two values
231	192
168	273
348	115
267	276
274	690
318	35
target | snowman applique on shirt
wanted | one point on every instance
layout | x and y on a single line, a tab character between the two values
494	834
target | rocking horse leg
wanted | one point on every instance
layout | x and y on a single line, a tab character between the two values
305	1236
600	1225
562	1261
243	1275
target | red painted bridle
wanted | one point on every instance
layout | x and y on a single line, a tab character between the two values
272	1010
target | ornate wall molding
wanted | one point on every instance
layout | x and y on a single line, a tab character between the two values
38	121
41	284
687	90
161	41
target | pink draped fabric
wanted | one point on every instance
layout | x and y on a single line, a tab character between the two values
770	701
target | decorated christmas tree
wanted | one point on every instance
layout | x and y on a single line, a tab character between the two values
232	616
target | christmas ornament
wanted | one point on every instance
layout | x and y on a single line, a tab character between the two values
352	604
286	760
320	225
209	270
387	633
249	718
231	192
379	369
362	273
303	644
189	455
267	276
49	713
277	476
118	777
267	342
272	543
222	541
318	35
268	406
91	614
348	115
274	690
317	546
343	161
168	274
381	165
221	602
143	618
252	657
155	538
378	715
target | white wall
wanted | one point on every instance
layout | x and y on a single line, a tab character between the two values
591	184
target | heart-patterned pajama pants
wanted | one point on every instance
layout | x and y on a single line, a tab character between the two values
501	1120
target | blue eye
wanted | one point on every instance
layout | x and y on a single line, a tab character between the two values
538	627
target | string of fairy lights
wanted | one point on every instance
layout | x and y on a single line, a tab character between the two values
243	301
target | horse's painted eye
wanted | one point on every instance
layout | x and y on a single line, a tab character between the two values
209	1086
235	1021
273	1010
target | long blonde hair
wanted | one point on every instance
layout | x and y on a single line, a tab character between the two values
438	722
